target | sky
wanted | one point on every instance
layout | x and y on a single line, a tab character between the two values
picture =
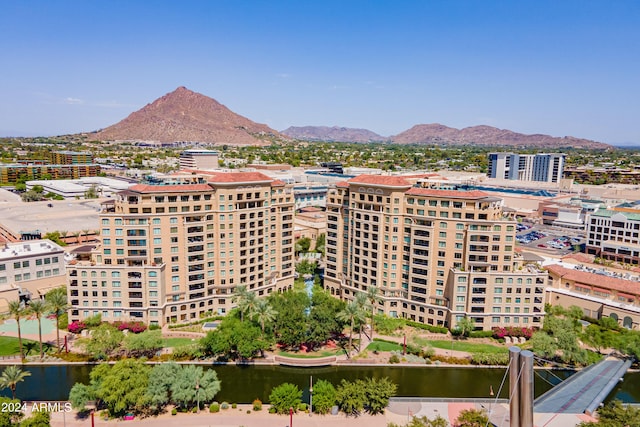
558	67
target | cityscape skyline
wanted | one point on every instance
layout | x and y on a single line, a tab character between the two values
555	68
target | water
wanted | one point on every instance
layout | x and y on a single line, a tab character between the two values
244	384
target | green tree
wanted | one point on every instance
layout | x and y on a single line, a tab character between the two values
123	387
472	418
305	267
104	340
285	396
234	339
374	298
543	344
11	376
161	377
351	397
192	385
322	322
378	392
321	243
614	414
37	419
264	313
8	417
324	397
465	326
598	337
144	344
352	314
290	325
81	394
246	301
38	307
56	299
17	311
302	245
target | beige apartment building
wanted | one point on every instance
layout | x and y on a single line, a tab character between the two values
597	295
175	250
436	255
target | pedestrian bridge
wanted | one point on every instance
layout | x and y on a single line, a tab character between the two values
584	391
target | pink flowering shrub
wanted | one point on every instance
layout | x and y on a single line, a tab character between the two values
76	327
133	327
512	331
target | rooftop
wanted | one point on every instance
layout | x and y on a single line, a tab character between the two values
28	248
592	279
456	194
383	180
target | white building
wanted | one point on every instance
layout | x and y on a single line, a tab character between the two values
545	167
30	268
199	159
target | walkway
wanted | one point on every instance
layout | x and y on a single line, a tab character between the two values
584	391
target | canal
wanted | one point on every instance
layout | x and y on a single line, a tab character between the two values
243	384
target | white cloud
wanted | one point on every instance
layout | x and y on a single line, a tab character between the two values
72	101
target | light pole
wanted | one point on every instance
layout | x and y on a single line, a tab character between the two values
311	395
198	394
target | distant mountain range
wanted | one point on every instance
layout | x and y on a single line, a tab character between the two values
187	116
439	134
183	115
334	133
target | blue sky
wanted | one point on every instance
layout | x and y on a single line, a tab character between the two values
558	67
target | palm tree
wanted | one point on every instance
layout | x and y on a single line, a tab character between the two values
264	313
16	310
38	307
246	301
363	303
11	376
374	298
350	313
57	301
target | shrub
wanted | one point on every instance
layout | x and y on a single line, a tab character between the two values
194	410
257	405
481	334
133	327
93	321
324	397
248	411
174	411
394	359
434	329
272	410
285	396
76	327
234	405
224	405
490	358
154	327
302	406
214	407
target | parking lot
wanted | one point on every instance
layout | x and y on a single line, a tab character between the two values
548	239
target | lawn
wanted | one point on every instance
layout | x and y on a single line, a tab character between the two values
311	355
10	346
469	347
177	342
383	346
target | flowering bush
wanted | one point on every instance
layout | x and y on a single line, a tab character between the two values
76	327
133	327
511	331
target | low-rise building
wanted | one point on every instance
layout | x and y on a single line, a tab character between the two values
30	268
598	295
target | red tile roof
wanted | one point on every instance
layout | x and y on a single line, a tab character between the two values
597	280
455	194
384	180
231	177
278	183
145	188
342	184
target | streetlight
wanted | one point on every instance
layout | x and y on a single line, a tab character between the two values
198	394
311	395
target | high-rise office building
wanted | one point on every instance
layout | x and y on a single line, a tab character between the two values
175	250
435	255
542	167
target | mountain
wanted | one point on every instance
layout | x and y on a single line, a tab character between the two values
489	136
183	115
334	133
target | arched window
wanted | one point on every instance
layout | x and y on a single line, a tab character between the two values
627	322
614	316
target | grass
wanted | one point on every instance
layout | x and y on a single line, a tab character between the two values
188	328
469	347
312	355
177	342
383	346
10	346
